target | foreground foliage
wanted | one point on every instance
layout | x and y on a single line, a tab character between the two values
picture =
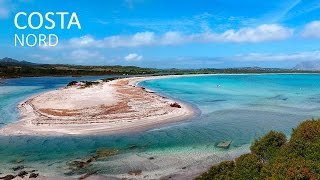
272	157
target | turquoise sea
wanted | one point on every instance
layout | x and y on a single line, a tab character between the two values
238	108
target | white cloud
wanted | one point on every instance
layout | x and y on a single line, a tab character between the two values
312	30
301	56
84	41
173	37
81	54
266	32
138	39
133	57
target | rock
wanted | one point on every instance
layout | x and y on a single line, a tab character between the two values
72	83
224	144
22	174
18	161
33	175
17	168
135	172
8	177
175	105
76	165
133	147
88	175
100	153
103	153
91	159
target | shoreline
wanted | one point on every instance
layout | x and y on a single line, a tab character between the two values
136	82
24	126
159	75
114	107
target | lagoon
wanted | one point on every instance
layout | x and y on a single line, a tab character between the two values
237	108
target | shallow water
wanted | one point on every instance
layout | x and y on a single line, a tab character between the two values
239	108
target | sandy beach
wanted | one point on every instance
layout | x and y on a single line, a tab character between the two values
108	107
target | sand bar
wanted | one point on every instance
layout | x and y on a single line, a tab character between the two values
106	108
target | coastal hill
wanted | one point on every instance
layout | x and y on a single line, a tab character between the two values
273	157
309	65
9	61
14	68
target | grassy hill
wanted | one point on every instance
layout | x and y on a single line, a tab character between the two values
273	157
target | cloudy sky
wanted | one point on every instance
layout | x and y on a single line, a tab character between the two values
172	33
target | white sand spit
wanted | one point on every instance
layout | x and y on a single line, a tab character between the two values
106	108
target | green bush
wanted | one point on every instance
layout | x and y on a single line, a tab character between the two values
272	157
72	83
89	83
222	171
248	166
266	146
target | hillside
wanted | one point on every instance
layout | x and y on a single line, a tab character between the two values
14	68
10	61
273	157
310	65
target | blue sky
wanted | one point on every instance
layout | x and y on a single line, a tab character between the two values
168	33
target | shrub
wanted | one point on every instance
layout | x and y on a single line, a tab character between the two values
308	131
274	158
176	105
266	146
222	171
248	166
72	83
109	79
89	83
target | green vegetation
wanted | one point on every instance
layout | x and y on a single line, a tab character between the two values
89	83
267	146
272	157
72	83
10	68
83	84
13	68
109	79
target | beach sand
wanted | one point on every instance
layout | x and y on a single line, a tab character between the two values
117	106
